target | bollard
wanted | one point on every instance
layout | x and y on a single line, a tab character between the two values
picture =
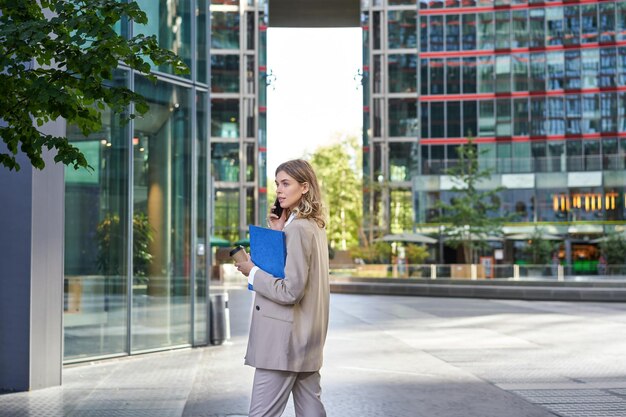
516	272
220	318
473	272
433	271
559	272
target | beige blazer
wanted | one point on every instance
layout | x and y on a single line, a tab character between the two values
290	315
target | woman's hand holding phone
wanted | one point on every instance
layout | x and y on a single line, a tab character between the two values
277	216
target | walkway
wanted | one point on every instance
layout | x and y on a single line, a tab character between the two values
388	356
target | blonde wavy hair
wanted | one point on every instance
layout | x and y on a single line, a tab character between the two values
310	205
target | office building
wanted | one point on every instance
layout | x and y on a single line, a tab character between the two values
539	85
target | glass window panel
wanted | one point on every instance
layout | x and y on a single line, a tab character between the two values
556	116
538	151
437	76
401	211
519	63
620	21
519	21
608	112
202	252
224	73
437	120
607	22
519	204
250	206
424	77
425	119
468	3
377	115
608	67
545	204
402	73
454	119
536	18
225	30
503	158
470	122
402	29
469	31
503	117
574	149
250	74
486	118
573	114
225	162
170	23
589	13
556	156
453	75
403	117
572	70
503	30
250	31
378	162
610	154
96	239
250	162
162	218
376	32
621	112
438	158
378	74
537	116
571	29
486	74
402	159
226	214
202	39
554	23
436	33
537	71
591	114
503	74
520	113
486	31
590	61
521	160
400	2
453	32
591	154
621	66
469	75
556	70
424	32
225	118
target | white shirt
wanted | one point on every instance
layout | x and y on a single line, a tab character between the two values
256	268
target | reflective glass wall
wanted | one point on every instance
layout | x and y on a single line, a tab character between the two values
137	227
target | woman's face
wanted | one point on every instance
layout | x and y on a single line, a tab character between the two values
289	191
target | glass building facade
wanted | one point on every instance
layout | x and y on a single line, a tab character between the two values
137	228
539	85
238	115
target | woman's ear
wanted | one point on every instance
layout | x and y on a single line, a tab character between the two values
305	188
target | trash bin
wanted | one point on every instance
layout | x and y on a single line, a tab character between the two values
220	318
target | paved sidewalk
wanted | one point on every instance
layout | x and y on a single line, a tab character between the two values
385	356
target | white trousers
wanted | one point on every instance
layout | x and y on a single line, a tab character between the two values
271	390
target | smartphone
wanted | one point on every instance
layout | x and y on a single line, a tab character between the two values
277	209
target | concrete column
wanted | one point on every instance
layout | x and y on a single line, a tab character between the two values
31	273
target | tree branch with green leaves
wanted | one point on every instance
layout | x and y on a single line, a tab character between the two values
58	59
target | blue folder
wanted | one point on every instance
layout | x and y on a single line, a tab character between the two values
268	250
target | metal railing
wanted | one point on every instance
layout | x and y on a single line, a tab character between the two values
567	272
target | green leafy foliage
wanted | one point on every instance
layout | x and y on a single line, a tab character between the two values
539	250
614	249
338	170
472	214
58	57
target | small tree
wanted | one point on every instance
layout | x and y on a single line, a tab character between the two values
614	249
471	215
539	250
56	59
416	254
